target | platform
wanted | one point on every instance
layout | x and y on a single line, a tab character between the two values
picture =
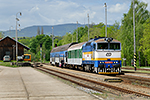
26	83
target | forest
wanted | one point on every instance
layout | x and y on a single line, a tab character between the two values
120	31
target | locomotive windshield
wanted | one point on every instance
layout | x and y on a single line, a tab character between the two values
102	46
114	46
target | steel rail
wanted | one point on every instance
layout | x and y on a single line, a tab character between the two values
98	83
78	83
136	79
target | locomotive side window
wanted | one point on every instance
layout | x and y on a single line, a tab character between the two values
94	46
102	46
88	44
115	46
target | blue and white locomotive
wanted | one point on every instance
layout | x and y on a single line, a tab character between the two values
101	55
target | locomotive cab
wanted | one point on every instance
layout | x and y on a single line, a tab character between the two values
111	58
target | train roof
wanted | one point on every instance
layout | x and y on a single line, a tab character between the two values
103	40
76	46
63	47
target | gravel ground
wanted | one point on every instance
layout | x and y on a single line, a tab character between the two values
139	75
109	96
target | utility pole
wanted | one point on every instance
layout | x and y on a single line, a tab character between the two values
17	36
77	33
52	38
134	36
105	19
41	52
14	51
88	26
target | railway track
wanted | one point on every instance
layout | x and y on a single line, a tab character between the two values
92	84
139	70
135	79
136	69
135	72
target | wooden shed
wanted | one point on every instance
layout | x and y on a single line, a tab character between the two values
8	47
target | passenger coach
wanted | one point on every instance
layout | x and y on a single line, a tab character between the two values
58	55
75	56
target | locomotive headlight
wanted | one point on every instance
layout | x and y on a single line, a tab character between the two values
115	62
101	62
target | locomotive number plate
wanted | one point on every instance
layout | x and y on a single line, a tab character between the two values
108	54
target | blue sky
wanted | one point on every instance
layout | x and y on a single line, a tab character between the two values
54	12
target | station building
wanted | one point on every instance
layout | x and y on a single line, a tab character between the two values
8	47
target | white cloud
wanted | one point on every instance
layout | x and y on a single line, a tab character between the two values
52	12
33	9
118	8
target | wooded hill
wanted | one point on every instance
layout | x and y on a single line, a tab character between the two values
59	30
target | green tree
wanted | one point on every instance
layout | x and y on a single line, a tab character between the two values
60	43
145	41
113	30
126	30
100	25
1	35
33	45
25	40
46	46
67	39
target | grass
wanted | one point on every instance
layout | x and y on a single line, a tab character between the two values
45	61
7	64
96	93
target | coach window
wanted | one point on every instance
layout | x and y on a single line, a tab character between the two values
80	53
77	53
69	54
72	54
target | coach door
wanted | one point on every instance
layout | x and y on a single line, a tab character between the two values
66	55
